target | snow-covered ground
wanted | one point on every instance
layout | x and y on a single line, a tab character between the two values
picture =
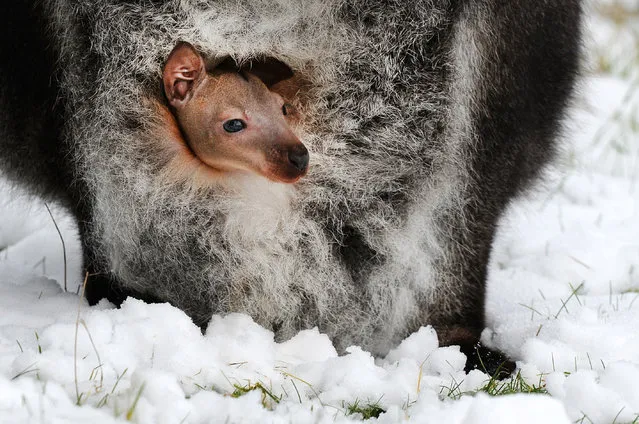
563	300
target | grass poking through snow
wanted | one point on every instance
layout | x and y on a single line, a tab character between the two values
515	384
268	398
495	387
366	410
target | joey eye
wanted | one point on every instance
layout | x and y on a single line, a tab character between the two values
286	108
234	125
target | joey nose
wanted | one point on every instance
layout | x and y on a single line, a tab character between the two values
298	157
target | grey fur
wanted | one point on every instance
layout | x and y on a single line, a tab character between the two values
424	119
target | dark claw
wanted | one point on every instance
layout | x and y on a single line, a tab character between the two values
492	362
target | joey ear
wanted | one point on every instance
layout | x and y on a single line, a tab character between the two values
269	70
183	71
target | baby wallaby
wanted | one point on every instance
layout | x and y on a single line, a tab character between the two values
230	118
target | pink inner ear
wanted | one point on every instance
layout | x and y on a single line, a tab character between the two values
187	74
180	89
183	66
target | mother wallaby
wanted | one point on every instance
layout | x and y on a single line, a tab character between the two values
421	121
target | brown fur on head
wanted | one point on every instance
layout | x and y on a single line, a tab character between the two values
230	118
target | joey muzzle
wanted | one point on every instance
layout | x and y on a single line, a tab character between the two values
298	157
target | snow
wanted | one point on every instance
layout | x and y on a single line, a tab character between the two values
562	300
